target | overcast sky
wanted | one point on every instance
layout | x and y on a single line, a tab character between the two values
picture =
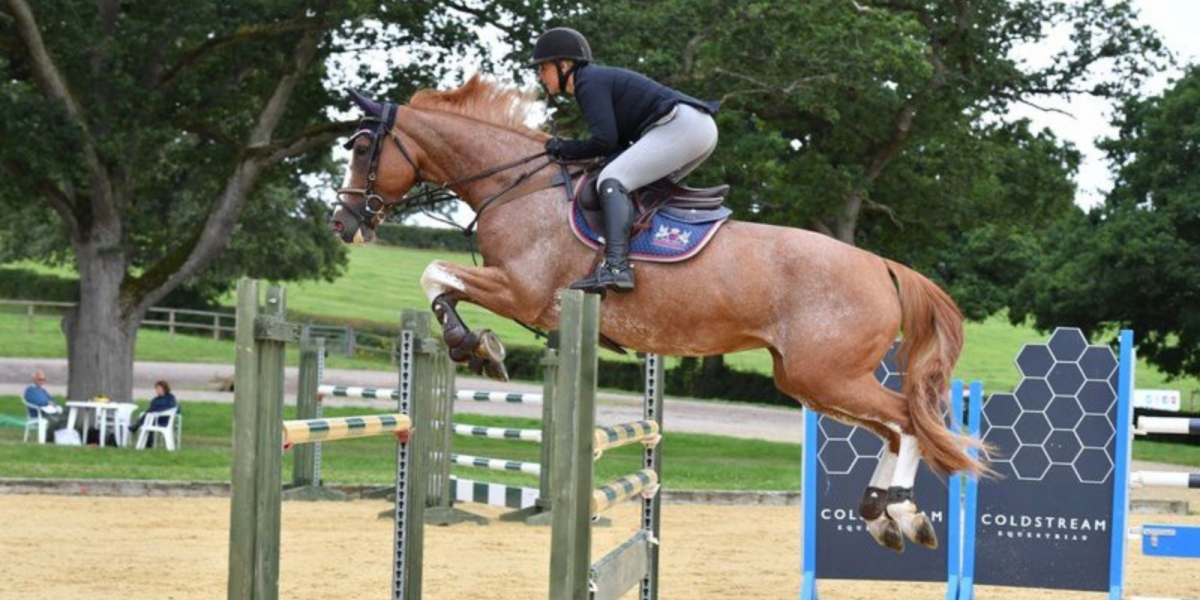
1176	22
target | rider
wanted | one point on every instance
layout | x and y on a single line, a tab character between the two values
658	131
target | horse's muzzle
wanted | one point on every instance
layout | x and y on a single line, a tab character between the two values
349	229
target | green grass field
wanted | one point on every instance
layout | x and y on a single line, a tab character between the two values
381	281
696	461
691	461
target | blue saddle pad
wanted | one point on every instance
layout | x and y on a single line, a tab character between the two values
670	238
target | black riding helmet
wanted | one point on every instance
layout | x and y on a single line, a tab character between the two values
561	43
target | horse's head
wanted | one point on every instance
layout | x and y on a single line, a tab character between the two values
380	172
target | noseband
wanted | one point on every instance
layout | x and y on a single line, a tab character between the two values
375	204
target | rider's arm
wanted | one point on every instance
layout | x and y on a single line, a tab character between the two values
595	101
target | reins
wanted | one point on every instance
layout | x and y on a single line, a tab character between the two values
374	203
470	228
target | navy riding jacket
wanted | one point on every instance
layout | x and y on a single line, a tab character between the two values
619	105
161	403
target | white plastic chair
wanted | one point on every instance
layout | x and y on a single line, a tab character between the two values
166	431
35	418
178	429
119	424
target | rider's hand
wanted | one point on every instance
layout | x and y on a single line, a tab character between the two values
554	148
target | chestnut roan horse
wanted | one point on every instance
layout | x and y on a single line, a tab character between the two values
826	311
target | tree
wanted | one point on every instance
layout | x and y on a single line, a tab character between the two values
865	119
1134	261
883	123
143	140
987	247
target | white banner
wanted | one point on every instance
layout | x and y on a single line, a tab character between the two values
1157	399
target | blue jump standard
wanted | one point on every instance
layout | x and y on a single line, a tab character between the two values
1171	540
1063	432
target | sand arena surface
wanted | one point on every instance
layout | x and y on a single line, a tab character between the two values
70	547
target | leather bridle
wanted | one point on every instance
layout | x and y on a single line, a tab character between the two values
374	204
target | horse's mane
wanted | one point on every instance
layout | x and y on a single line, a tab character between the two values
484	100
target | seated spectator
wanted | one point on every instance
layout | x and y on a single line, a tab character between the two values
36	395
163	400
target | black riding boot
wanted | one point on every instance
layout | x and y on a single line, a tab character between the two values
615	273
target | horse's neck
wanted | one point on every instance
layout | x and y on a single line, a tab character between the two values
459	148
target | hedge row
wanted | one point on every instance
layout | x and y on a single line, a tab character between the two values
25	284
688	378
424	238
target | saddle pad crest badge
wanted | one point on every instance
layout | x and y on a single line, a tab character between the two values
672	238
668	239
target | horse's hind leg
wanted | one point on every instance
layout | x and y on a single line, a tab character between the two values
887	506
886	413
873	507
901	507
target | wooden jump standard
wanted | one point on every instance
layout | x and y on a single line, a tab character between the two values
575	500
260	435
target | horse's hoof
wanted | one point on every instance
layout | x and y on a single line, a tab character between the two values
920	530
488	346
495	370
915	524
887	534
491	353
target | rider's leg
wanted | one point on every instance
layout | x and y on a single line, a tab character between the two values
673	146
614	272
705	136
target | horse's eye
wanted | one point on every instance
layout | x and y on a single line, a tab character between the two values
360	150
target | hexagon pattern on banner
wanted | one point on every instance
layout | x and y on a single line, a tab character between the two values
1059	413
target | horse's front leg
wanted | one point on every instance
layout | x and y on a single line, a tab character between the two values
445	284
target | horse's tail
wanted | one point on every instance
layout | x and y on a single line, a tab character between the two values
932	326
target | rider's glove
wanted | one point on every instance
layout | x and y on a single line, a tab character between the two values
554	147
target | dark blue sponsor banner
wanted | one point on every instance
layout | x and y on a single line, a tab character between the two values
838	463
1048	521
847	457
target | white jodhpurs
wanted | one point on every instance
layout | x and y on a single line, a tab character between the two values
672	147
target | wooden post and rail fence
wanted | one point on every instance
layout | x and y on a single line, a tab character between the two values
261	436
212	324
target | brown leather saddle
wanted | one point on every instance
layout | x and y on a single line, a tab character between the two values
696	205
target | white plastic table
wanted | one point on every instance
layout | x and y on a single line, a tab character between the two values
87	407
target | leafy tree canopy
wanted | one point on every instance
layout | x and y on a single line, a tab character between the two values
163	144
1134	261
885	123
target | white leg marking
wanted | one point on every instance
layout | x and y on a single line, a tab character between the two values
907	462
882	478
436	280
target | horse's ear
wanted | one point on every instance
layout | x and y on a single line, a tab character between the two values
371	107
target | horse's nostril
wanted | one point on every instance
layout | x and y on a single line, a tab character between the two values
339	226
